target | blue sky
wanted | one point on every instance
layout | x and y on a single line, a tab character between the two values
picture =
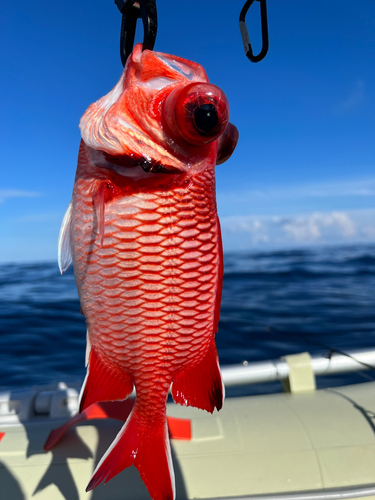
304	169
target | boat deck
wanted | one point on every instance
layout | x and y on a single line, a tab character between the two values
318	444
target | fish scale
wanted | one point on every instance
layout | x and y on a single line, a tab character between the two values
186	263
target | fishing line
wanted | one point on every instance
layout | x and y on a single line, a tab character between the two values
331	350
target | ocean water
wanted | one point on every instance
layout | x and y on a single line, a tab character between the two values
274	303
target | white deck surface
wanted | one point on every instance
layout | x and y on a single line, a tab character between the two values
259	445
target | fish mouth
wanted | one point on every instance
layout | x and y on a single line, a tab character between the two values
158	168
131	166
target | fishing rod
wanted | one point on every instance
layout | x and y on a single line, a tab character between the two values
132	10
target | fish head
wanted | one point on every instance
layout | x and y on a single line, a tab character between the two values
163	115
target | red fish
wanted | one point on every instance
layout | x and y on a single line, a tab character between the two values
144	236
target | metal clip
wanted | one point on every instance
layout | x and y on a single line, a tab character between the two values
131	11
245	34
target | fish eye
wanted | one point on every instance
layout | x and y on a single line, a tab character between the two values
197	113
206	118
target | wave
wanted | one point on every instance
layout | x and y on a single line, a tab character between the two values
274	303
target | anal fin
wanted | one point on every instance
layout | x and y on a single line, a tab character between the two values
103	382
200	386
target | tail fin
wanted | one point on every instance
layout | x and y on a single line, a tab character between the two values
146	447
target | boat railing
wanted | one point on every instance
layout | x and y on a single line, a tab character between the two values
279	369
296	372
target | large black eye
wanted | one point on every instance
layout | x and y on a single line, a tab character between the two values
197	113
206	118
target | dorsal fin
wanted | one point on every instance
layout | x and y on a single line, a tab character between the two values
64	249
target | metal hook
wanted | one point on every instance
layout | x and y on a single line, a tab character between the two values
245	34
131	11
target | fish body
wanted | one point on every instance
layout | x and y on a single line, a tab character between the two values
145	242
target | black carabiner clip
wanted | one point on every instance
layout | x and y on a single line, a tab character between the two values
245	34
131	11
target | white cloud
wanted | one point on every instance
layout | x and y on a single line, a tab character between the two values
318	225
16	193
355	99
369	232
357	187
315	228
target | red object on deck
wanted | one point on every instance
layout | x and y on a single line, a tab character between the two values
2	434
179	428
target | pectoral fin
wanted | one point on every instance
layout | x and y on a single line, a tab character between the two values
99	203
